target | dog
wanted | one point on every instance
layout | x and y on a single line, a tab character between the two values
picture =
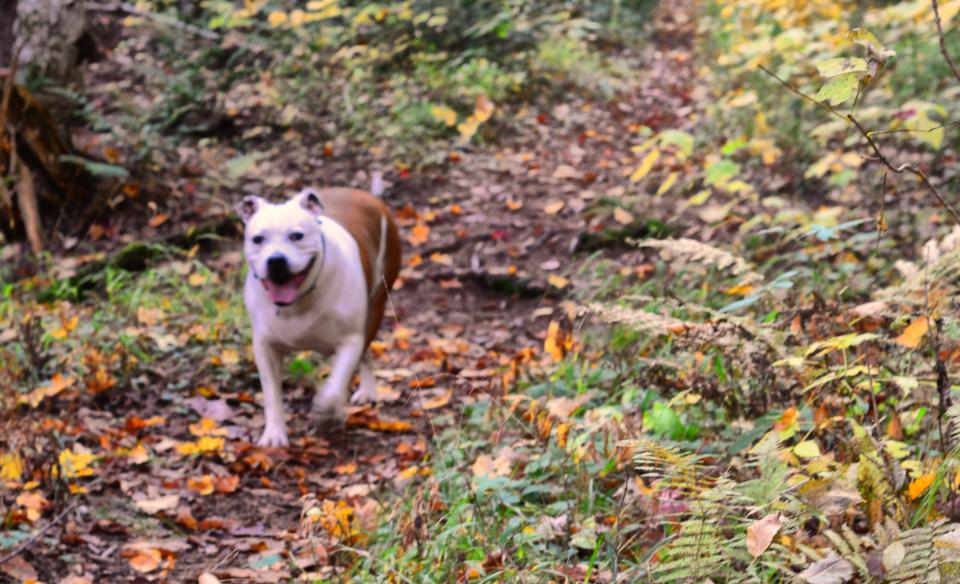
320	268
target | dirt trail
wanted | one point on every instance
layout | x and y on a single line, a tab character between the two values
508	224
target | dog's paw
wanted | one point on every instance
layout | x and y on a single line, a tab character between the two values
273	438
363	395
329	410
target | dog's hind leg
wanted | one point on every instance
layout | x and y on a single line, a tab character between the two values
367	392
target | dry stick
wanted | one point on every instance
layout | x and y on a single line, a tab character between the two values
905	167
36	535
943	42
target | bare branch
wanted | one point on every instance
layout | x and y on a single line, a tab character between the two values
902	168
943	42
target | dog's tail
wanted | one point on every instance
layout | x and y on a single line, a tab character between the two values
376	183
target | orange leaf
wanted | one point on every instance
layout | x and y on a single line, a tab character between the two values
146	560
389	426
913	334
157	220
202	485
419	234
346	469
787	419
436	401
227	484
920	485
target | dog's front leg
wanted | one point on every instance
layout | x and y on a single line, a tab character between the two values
332	398
268	362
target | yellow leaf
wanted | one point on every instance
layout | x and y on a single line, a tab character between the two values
557	343
277	18
345	469
807	449
138	454
483	108
297	17
468	127
739	290
316	5
558	282
207	427
441	258
920	485
667	183
913	334
622	216
444	114
646	165
196	279
74	464
202	485
11	467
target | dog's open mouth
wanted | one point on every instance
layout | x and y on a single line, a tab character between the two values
284	291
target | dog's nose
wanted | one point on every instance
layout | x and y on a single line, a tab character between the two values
277	267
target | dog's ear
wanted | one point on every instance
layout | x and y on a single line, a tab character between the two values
248	206
310	200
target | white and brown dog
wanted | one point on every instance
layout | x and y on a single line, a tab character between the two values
320	268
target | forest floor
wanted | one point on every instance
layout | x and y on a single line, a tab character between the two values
507	227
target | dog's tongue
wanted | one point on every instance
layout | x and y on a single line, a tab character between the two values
284	293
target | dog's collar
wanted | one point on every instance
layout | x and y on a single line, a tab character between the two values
323	260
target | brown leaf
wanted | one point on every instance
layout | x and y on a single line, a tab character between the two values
438	401
760	533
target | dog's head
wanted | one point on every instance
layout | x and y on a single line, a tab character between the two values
283	243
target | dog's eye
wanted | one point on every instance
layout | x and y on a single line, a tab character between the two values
257	239
296	236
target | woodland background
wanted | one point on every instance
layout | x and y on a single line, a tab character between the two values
679	297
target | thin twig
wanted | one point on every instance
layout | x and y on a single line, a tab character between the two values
943	41
36	535
902	168
905	168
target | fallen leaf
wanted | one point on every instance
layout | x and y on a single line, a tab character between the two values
158	220
914	333
760	533
565	171
202	485
345	469
146	560
227	484
419	234
553	207
646	165
438	401
563	407
622	216
499	466
207	427
444	114
514	205
920	485
154	506
807	449
208	578
830	570
893	555
443	259
558	282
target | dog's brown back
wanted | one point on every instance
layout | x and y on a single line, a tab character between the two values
363	215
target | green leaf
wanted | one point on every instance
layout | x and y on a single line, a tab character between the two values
807	449
839	89
922	126
664	421
96	168
719	173
842	66
682	140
